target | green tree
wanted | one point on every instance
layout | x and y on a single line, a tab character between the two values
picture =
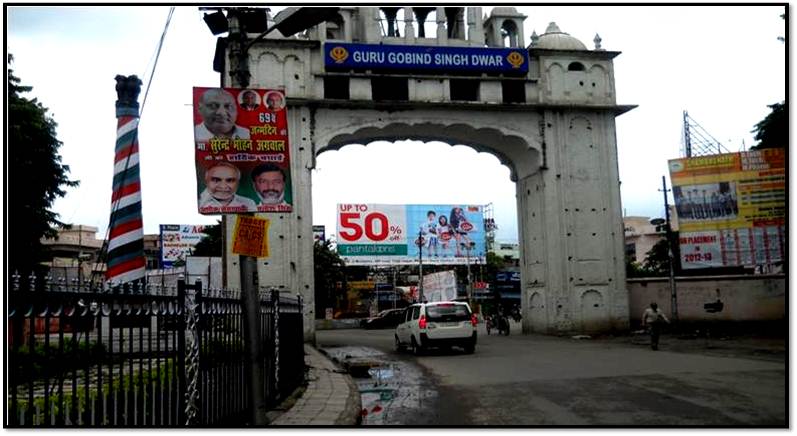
773	130
37	175
657	260
329	270
209	245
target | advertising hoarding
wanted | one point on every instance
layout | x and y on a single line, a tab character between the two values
178	242
389	234
339	55
440	286
319	233
242	151
731	208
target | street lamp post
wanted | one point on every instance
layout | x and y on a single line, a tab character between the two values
420	266
673	292
468	246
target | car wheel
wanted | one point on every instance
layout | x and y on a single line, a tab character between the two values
470	348
416	349
399	346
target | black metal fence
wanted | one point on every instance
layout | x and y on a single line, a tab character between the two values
83	355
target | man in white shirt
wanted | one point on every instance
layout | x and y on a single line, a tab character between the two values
219	196
219	112
653	319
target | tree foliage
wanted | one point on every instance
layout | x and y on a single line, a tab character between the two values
209	245
657	260
329	269
773	130
37	174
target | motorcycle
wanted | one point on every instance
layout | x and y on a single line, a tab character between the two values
499	322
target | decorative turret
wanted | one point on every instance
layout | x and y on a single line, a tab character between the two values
504	28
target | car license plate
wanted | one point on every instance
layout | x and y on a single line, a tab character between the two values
450	324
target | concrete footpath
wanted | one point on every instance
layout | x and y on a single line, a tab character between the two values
331	396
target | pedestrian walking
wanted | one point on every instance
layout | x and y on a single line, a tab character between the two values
652	319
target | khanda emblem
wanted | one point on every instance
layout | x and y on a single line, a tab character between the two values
515	59
339	54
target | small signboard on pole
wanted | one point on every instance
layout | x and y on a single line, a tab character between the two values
250	237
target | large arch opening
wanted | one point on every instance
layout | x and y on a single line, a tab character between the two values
402	165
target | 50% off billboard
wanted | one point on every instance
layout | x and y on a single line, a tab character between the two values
372	230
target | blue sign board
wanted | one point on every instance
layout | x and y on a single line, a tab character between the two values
416	57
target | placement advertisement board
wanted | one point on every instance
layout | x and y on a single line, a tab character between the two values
731	208
242	151
178	242
390	234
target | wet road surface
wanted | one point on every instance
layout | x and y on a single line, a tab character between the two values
543	380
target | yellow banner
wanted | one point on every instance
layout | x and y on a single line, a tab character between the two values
250	237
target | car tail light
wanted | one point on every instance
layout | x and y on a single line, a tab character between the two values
422	322
474	320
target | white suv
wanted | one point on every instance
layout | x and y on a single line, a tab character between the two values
438	324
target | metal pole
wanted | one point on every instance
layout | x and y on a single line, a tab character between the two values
673	294
420	266
470	282
239	75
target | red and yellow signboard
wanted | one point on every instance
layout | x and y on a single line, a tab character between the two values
250	237
242	151
731	208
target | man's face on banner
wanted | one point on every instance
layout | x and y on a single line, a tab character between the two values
222	182
218	111
270	185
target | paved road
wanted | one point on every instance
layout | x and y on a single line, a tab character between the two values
543	380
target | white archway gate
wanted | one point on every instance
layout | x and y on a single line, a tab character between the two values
558	139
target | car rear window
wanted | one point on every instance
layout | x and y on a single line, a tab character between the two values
454	312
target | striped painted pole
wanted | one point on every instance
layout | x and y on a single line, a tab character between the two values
126	261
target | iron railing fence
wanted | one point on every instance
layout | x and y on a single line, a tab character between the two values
86	355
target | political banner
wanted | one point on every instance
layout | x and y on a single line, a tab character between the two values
242	151
389	234
178	242
731	208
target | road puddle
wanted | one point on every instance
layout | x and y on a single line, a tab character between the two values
393	392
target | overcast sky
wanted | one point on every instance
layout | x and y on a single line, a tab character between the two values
723	64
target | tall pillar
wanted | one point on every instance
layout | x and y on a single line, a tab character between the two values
125	259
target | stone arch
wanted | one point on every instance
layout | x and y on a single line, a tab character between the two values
593	310
599	79
556	81
537	313
293	71
510	34
513	148
268	69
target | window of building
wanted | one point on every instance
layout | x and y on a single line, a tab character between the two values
464	90
336	87
575	66
513	91
389	88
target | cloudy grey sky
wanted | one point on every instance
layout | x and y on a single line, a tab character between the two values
723	64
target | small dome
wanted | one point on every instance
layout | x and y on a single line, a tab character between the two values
505	11
555	39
